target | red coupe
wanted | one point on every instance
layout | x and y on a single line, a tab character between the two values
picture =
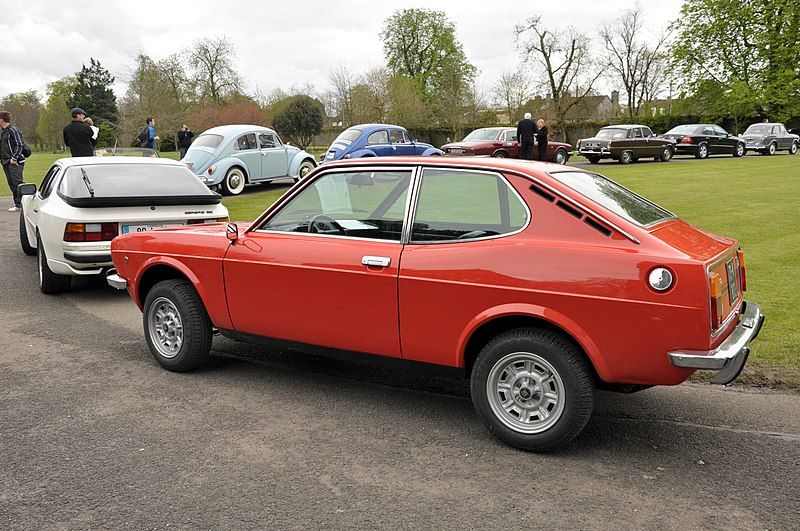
540	283
501	142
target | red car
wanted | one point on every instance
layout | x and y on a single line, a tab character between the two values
539	283
501	142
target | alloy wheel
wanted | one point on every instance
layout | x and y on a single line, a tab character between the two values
166	327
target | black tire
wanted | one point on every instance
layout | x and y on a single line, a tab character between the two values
177	298
793	148
573	384
305	168
49	282
500	155
666	154
739	150
702	151
593	159
560	156
234	181
24	242
626	157
771	149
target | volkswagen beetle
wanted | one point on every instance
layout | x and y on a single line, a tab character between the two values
376	140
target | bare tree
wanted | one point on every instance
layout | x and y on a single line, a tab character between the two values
215	75
511	92
632	61
563	57
340	98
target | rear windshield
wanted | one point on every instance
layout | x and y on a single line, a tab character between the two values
208	141
614	197
683	130
348	135
609	132
131	180
482	134
759	129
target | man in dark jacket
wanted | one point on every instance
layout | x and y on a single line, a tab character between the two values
185	137
526	132
11	144
78	136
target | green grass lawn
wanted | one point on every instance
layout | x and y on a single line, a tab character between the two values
754	199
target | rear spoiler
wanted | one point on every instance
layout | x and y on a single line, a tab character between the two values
166	200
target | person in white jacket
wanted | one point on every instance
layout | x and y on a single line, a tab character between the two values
95	130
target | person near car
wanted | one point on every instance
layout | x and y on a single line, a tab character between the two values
11	144
78	135
541	138
185	137
95	130
148	136
526	133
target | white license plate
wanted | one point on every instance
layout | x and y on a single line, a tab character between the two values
125	229
456	151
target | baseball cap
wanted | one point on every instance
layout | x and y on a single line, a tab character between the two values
76	111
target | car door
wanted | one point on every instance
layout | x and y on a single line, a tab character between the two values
784	142
378	143
245	148
510	143
274	158
322	268
653	144
638	144
401	143
725	143
461	219
38	200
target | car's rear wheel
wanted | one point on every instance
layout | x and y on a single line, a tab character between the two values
702	151
49	282
666	155
500	155
560	156
532	388
793	149
176	325
234	182
593	159
24	242
626	157
739	150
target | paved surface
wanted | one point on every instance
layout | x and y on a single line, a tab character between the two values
94	434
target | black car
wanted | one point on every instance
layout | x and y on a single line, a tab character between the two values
768	138
702	140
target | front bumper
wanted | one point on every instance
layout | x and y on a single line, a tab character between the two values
728	358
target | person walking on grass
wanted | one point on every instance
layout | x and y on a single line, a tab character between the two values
526	132
148	136
185	137
78	135
541	138
11	146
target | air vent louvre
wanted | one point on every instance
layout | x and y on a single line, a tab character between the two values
597	226
543	193
569	210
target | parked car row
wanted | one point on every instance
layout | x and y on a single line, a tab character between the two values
629	143
501	142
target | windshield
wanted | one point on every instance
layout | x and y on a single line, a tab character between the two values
131	180
611	132
682	130
614	197
759	129
481	134
348	135
207	141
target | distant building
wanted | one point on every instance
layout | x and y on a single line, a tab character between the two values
592	107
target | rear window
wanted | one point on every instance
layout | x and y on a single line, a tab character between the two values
683	130
348	135
131	180
208	141
614	197
612	133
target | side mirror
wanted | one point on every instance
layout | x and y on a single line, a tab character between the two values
26	189
232	232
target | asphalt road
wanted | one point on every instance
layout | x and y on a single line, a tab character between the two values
94	434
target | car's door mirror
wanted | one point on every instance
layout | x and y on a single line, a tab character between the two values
26	189
232	232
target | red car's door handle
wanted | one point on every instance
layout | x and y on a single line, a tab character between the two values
376	261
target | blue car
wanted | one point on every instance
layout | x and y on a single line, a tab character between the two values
229	156
376	140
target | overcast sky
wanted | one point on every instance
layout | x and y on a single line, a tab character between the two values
279	43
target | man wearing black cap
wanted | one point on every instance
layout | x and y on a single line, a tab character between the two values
78	136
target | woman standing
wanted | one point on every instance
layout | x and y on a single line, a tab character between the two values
541	139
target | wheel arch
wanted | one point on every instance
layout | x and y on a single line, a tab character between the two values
501	150
163	268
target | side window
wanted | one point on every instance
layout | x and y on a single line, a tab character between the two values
776	130
720	131
463	205
509	136
267	140
48	181
647	132
708	132
637	132
398	137
378	137
366	204
245	142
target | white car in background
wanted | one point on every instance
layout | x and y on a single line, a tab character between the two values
83	203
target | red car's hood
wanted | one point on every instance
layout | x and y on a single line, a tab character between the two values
691	241
470	144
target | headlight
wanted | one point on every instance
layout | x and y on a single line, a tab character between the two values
660	279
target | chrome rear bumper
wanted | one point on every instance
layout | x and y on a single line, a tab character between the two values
116	281
728	358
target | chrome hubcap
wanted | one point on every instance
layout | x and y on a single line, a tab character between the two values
166	327
304	169
525	392
234	181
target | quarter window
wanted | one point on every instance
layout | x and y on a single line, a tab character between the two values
378	137
461	205
647	132
368	204
246	142
47	182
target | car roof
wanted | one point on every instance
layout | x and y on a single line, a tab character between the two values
489	163
624	126
766	123
366	127
92	161
225	130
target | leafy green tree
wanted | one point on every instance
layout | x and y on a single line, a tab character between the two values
301	120
408	106
25	108
55	113
93	92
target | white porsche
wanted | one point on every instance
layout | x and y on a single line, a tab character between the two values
83	203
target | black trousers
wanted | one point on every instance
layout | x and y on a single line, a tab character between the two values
543	150
14	179
526	149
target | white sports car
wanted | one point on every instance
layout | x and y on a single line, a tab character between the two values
83	203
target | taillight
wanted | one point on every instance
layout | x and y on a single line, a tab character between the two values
715	286
686	140
223	220
346	156
90	232
742	270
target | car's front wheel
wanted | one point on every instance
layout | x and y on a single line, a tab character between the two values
305	168
176	325
533	389
49	282
500	155
739	150
561	156
24	242
234	182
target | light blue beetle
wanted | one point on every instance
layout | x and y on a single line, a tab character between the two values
229	156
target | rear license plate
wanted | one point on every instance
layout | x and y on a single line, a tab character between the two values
456	151
125	229
733	288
